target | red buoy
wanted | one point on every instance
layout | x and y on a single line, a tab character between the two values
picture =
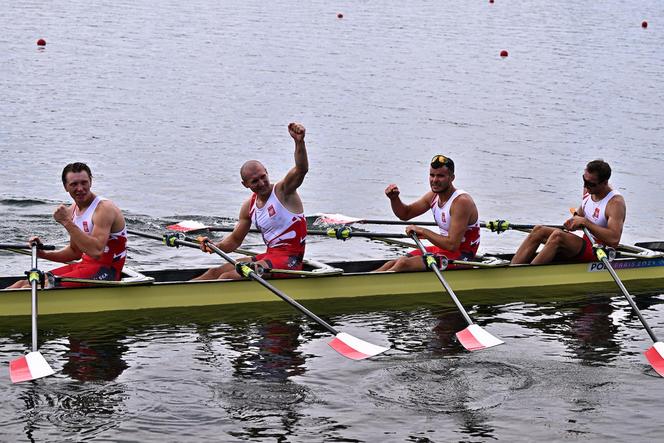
644	24
490	1
503	53
340	15
41	42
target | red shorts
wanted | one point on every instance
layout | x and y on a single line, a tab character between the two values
436	251
281	260
586	254
89	271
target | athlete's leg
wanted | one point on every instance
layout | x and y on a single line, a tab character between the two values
408	264
560	245
528	249
387	266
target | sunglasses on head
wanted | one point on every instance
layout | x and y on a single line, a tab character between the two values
438	161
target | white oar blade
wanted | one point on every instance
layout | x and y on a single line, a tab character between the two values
334	219
475	338
353	347
655	356
29	367
187	226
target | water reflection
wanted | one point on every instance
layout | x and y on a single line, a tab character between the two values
592	333
94	360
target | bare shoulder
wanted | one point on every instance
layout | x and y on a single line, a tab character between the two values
244	209
108	207
465	200
618	199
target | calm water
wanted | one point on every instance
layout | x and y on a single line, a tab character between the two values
165	103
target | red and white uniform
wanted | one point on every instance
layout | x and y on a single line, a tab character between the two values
284	233
595	212
471	237
109	265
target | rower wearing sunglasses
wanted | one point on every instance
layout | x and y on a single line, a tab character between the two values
602	211
454	211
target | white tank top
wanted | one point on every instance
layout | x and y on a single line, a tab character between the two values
596	211
442	215
279	227
84	223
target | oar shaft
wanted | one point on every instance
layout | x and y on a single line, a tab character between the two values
25	246
397	222
614	275
33	285
629	298
252	275
276	291
325	233
448	288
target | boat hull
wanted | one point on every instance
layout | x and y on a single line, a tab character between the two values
496	285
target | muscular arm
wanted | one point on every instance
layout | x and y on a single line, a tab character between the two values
615	216
66	254
404	211
463	213
94	243
295	176
234	240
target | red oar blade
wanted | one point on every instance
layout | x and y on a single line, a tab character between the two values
475	338
655	356
353	347
187	226
29	367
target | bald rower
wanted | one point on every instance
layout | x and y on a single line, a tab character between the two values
277	212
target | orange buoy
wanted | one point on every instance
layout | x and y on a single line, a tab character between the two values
503	53
41	42
340	15
644	24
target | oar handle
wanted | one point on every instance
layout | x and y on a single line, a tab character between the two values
433	266
602	256
246	271
26	246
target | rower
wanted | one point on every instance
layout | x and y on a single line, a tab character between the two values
454	211
602	211
96	226
275	209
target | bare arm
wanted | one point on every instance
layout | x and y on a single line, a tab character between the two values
234	240
404	211
94	243
66	254
615	216
463	213
295	176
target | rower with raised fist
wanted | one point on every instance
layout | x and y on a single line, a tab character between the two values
453	210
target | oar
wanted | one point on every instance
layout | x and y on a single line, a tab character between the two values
338	233
341	219
344	343
473	337
32	365
655	354
25	246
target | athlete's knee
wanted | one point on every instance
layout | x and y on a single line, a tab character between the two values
539	233
556	238
230	275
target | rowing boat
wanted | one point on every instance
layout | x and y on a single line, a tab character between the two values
493	280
